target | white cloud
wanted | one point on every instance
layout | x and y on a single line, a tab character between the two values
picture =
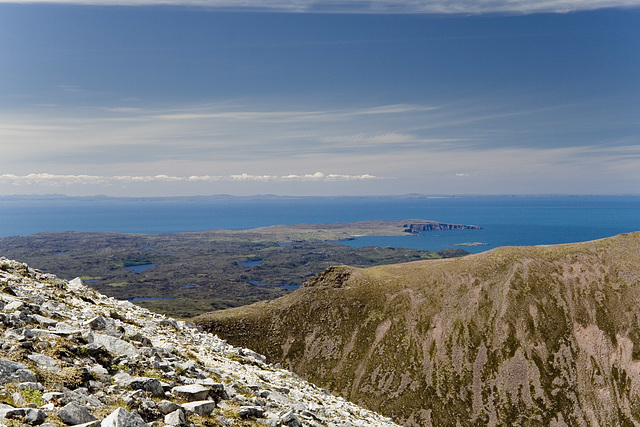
212	112
54	180
113	135
363	138
402	148
392	140
373	6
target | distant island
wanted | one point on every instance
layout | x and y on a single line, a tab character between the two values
470	244
336	230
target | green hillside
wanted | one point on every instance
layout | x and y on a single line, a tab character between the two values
546	335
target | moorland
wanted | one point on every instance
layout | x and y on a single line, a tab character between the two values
186	274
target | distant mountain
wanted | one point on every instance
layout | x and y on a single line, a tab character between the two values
545	335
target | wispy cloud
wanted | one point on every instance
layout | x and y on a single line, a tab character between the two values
392	140
372	6
253	149
54	180
115	134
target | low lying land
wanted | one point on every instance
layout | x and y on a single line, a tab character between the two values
186	274
335	230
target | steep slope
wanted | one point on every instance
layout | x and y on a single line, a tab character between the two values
546	335
71	356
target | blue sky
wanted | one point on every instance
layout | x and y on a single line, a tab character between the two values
131	98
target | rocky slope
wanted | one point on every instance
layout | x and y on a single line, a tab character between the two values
546	335
71	356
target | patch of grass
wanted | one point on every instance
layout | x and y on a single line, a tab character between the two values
85	278
6	398
32	396
120	367
153	374
105	411
71	377
118	284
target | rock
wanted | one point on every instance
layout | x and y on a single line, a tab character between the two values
104	359
26	415
66	329
100	373
45	361
170	322
250	412
175	418
15	372
73	414
14	306
151	385
76	285
191	392
113	345
202	407
252	355
98	323
216	390
123	418
132	334
283	390
52	396
165	407
44	321
290	420
31	386
34	416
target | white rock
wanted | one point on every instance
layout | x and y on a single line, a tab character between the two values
175	418
123	418
113	345
203	407
191	392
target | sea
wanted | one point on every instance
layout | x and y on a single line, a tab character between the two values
504	220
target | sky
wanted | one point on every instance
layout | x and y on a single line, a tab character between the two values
319	98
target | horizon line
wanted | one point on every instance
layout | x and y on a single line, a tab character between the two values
354	7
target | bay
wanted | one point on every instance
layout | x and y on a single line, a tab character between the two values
505	220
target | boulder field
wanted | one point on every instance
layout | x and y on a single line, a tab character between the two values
70	356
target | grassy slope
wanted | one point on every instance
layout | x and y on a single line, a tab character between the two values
512	336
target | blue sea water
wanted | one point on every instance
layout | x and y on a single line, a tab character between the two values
505	220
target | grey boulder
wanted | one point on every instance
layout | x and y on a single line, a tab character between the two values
15	372
123	418
203	407
151	385
191	392
73	414
175	418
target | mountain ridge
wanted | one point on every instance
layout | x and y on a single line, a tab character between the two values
72	356
542	335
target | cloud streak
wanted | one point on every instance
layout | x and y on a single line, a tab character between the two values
55	180
371	6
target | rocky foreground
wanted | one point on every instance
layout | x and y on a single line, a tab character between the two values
71	356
